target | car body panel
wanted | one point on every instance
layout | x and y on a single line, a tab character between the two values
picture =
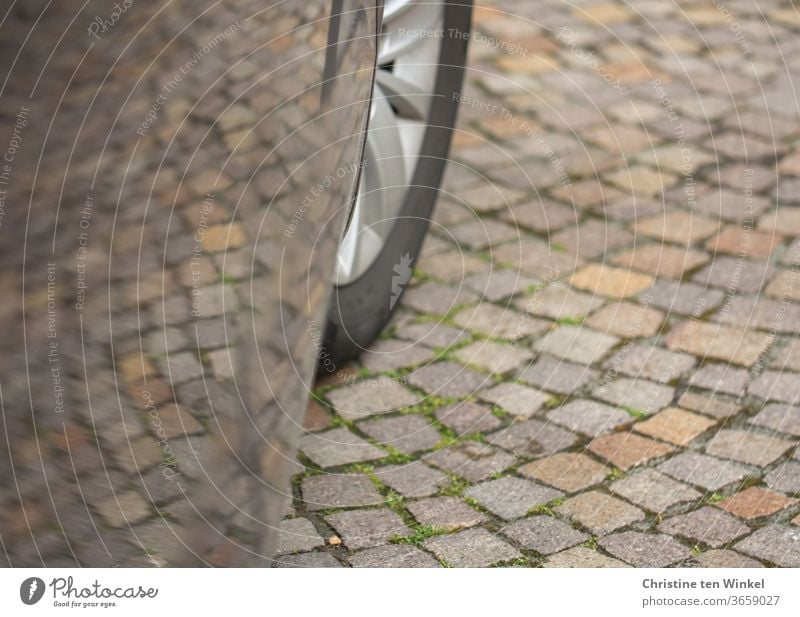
176	182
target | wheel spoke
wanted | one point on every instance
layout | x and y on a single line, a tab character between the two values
408	99
407	65
405	28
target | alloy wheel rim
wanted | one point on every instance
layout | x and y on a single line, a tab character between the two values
405	79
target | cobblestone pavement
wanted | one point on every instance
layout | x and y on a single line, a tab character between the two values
596	361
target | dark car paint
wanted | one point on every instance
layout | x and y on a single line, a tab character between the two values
147	126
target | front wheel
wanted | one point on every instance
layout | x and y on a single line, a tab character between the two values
420	69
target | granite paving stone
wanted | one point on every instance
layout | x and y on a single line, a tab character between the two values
626	450
722	378
677	426
557	375
782	418
589	417
778	544
510	498
436	298
432	334
467	417
645	550
446	513
707	525
600	513
533	438
708	340
748	446
515	398
580	557
776	386
785	478
393	556
626	320
650	362
682	298
639	394
407	433
558	301
610	281
338	447
653	490
576	344
567	471
296	535
471	548
373	396
471	460
496	358
705	471
413	479
365	528
756	502
339	491
498	284
499	322
448	379
720	558
392	355
711	405
544	534
308	560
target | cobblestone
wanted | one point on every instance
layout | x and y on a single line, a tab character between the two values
408	434
645	550
576	344
338	447
557	375
626	450
748	447
643	396
516	399
533	438
446	513
467	417
706	525
566	471
580	557
471	548
785	478
447	379
471	460
364	528
779	544
369	397
782	418
704	471
398	556
653	490
675	425
589	417
339	491
495	358
756	502
510	498
544	534
599	512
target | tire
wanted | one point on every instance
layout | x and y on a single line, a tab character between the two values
361	309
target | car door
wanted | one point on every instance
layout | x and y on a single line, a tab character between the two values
175	182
